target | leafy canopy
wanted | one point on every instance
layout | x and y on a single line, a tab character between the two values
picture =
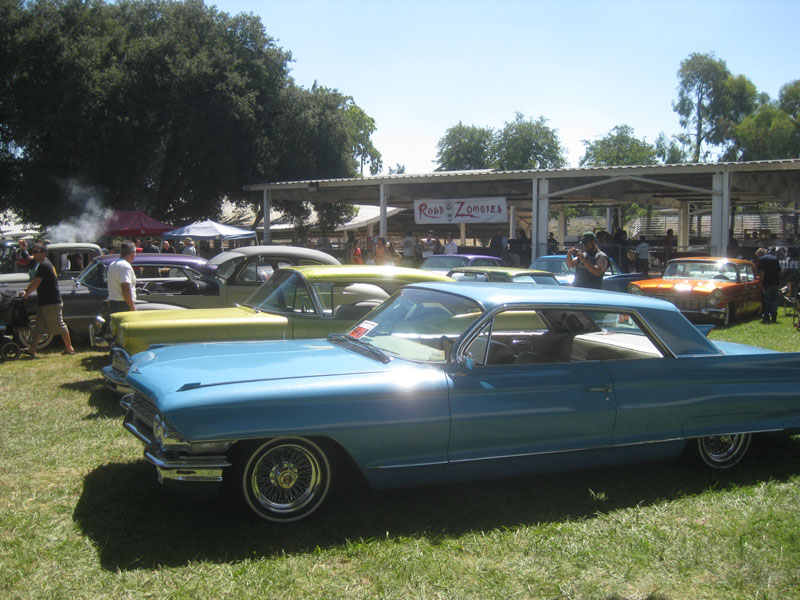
164	106
520	144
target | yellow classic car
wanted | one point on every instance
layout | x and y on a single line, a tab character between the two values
295	303
706	288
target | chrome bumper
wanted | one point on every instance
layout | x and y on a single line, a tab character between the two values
717	314
114	374
192	468
115	381
200	468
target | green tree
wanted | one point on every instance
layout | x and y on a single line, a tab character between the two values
159	105
789	100
363	126
618	147
528	144
700	103
465	147
670	151
768	133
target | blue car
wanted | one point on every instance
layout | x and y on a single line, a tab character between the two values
452	382
614	280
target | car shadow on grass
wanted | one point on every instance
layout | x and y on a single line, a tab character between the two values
136	523
104	402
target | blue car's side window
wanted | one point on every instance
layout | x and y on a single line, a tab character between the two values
525	337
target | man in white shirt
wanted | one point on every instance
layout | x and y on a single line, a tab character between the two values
122	280
188	247
428	245
450	246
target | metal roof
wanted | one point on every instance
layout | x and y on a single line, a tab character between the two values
658	185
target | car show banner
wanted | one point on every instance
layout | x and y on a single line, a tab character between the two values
473	210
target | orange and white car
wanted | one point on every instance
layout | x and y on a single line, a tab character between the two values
706	288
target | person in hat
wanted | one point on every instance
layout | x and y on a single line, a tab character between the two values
188	247
589	262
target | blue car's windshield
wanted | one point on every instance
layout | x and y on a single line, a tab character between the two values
418	324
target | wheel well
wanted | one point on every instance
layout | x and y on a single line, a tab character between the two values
341	461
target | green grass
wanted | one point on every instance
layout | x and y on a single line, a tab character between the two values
782	336
81	516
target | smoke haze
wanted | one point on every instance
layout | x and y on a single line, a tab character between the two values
89	225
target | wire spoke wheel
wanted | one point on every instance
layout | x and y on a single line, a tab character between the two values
25	337
286	479
723	451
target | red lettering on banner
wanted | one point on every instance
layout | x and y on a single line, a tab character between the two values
430	212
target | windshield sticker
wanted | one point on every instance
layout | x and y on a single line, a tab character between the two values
362	329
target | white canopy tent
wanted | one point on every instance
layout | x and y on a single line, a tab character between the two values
210	230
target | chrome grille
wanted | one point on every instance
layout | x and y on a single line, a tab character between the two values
143	411
683	302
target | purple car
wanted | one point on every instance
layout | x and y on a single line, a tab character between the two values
446	262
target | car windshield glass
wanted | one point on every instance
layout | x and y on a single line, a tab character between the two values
418	324
285	292
94	276
444	262
225	267
554	265
720	270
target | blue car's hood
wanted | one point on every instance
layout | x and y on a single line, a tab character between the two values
161	371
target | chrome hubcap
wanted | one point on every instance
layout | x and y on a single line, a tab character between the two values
285	475
285	478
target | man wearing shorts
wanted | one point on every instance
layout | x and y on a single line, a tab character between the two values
48	316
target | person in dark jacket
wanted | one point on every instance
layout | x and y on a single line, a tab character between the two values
768	270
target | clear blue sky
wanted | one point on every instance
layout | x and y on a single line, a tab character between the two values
419	67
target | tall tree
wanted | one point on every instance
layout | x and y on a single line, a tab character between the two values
771	131
700	103
363	127
619	147
670	151
465	147
528	144
159	105
768	133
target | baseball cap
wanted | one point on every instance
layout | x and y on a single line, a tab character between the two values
587	236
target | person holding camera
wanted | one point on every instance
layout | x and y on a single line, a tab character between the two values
589	262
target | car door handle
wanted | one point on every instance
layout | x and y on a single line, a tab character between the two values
602	390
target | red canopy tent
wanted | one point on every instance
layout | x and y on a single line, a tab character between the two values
134	222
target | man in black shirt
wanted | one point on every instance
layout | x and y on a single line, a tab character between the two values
48	317
768	270
589	262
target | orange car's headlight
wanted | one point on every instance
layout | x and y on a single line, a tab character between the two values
715	297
